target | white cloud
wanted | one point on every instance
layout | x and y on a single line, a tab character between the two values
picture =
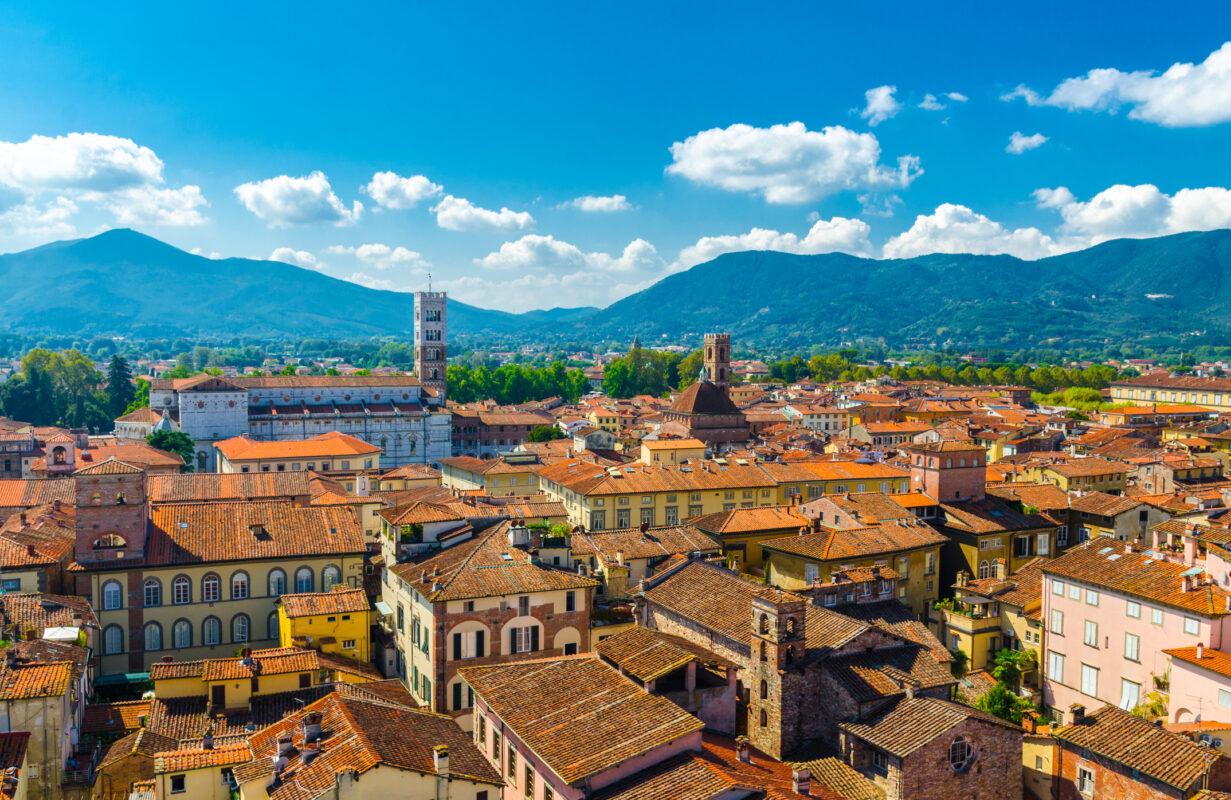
788	163
930	103
298	258
957	229
536	252
837	235
957	97
881	105
381	256
364	279
284	201
541	290
111	172
391	190
1019	144
212	254
459	214
604	205
31	219
1186	95
1138	211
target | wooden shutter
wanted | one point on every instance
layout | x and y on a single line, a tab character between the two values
512	640
457	696
534	639
457	646
478	644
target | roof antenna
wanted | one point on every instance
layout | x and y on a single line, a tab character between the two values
429	283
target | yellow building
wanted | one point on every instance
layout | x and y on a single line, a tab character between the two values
337	621
510	474
639	494
671	451
621	559
408	476
908	547
742	530
604	419
325	453
1091	474
997	613
211	576
198	773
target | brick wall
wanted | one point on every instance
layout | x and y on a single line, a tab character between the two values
995	775
1110	779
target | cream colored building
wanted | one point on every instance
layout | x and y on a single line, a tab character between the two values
513	473
671	451
327	452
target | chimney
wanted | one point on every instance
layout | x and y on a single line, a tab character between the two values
1077	714
256	529
312	726
1030	721
1002	570
963	578
801	781
441	758
55	505
1130	546
744	750
620	557
1186	583
207	741
30	551
285	745
1200	651
31	635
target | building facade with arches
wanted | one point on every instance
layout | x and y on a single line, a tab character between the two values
198	580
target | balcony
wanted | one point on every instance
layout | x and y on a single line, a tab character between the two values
969	622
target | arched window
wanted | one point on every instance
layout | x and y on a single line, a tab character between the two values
985	569
181	590
211	631
152	592
109	541
277	582
181	633
113	639
330	577
763	624
764	718
202	457
113	595
764	690
790	626
120	499
273	625
303	579
153	636
961	754
239	586
211	589
411	441
239	628
58	455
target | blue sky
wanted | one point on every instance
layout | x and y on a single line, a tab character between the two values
378	142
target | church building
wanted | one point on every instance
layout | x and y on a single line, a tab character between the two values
705	409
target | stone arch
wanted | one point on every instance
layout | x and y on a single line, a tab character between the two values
566	636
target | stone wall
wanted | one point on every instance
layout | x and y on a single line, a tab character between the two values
996	773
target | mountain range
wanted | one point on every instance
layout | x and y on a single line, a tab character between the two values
126	283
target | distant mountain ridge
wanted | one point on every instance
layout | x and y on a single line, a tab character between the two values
126	283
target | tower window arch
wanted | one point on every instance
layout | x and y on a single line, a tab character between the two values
239	586
58	456
764	690
113	595
330	576
764	718
763	624
152	592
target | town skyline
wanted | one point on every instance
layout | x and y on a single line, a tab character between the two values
467	154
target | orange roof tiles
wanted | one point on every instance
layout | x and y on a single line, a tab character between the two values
25	681
751	520
578	715
213	486
1211	659
341	600
113	717
648	654
200	758
908	723
36	492
842	544
633	543
328	445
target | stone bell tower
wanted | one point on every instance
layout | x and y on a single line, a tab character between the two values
779	647
430	344
717	358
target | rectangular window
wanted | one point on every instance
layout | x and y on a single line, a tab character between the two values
1091	597
512	768
1044	544
523	640
671	515
1156	616
1192	626
903	566
523	606
880	762
1224	698
1075	593
1132	647
1055	666
1133	609
1085	781
1129	694
496	746
1089	680
1091	633
1057	587
177	783
930	569
481	731
647	517
529	781
1057	622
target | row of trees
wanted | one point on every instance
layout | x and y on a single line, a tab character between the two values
515	383
65	388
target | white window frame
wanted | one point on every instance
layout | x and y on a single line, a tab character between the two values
1133	609
1132	647
1192	626
1057	622
1055	666
1089	680
1090	635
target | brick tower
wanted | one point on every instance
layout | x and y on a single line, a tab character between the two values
779	646
717	358
430	343
111	513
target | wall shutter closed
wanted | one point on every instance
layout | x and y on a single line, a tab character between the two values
534	639
457	646
478	644
457	696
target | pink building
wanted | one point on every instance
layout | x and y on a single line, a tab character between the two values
1110	611
1200	684
560	729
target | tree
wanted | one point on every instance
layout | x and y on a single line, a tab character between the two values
544	433
176	442
1001	702
289	369
120	389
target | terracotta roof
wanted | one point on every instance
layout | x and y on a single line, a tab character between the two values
893	616
24	681
946	447
1083	467
328	445
1023	589
750	520
1106	562
36	492
418	513
341	600
1211	659
113	717
653	543
649	654
38	537
143	741
704	397
112	466
991	515
588	478
1107	505
202	487
288	381
1044	496
272	661
866	507
13	746
673	444
486	566
846	543
1140	745
883	672
200	758
830	771
909	723
578	715
42	611
411	472
363	734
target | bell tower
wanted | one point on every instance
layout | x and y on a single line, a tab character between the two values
430	353
717	358
779	645
112	513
